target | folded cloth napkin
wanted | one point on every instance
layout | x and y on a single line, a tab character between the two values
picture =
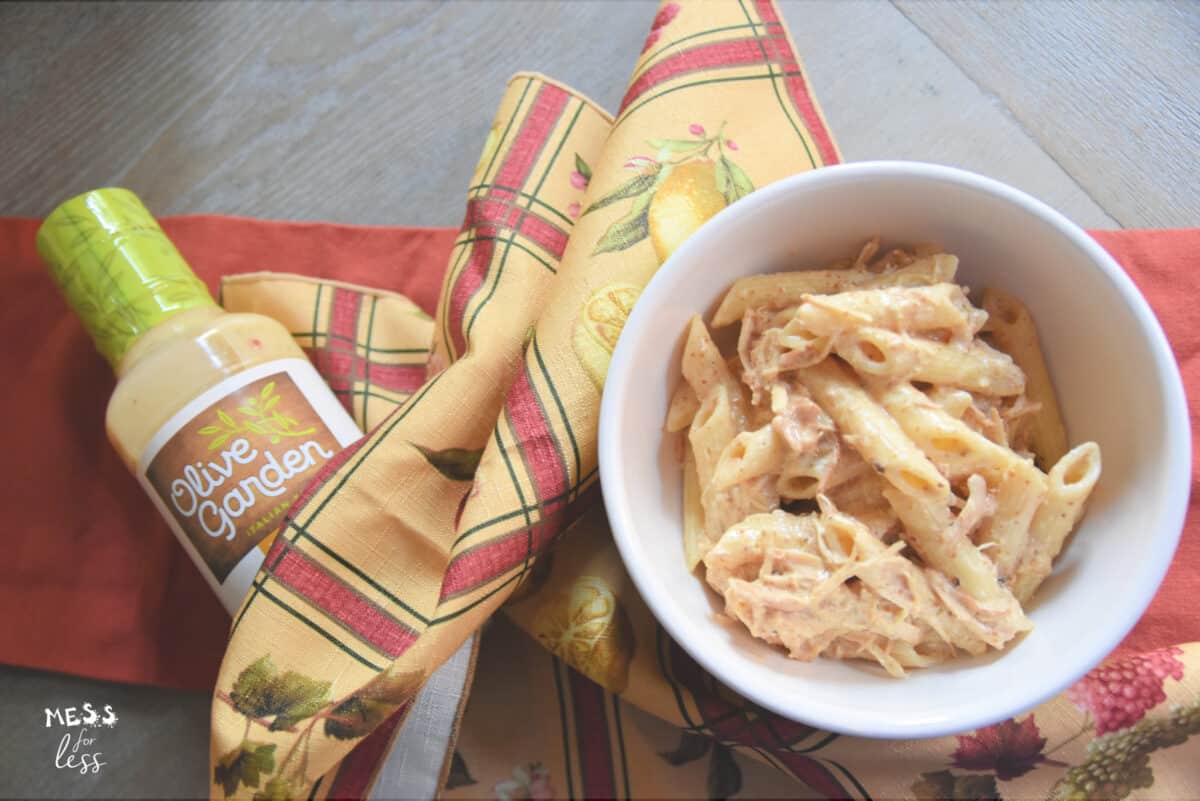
389	565
417	534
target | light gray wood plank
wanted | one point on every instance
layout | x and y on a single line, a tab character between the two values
373	113
890	93
369	113
86	89
1108	90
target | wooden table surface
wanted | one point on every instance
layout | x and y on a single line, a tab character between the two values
375	113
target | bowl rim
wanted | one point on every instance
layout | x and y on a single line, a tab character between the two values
1177	425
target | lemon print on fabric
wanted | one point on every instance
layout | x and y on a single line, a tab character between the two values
674	192
687	198
598	326
586	627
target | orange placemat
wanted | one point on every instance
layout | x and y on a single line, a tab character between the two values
96	586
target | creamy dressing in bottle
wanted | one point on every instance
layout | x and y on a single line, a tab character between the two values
220	416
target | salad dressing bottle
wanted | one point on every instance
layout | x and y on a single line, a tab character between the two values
220	417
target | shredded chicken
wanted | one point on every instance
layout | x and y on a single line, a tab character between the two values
822	584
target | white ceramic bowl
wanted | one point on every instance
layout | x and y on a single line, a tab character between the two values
1118	385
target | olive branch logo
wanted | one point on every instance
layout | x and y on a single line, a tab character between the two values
259	415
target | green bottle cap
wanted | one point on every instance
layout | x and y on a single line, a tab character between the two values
116	267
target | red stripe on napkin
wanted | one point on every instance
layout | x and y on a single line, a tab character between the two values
365	619
736	53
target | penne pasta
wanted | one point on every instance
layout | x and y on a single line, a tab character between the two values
1018	495
1013	331
862	398
951	444
777	290
976	367
767	351
696	542
954	402
943	540
872	432
1015	420
937	268
960	452
941	308
684	405
865	254
804	473
718	422
850	467
910	587
751	454
713	428
704	368
1071	482
723	508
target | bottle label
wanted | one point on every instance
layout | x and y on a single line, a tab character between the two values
226	467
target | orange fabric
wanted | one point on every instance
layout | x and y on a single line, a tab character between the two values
1163	265
97	586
